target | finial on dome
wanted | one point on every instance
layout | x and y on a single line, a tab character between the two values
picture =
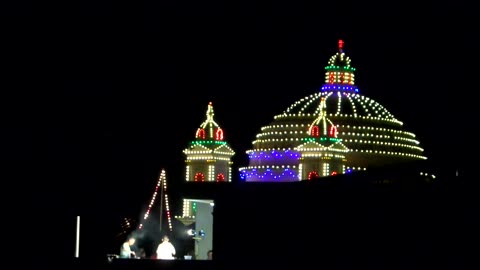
340	45
322	126
209	129
210	112
323	107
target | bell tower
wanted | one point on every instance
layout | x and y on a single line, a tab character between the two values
208	157
322	153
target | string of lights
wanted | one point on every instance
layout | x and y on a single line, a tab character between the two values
167	206
152	200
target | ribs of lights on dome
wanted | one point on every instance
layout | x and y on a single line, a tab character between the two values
321	154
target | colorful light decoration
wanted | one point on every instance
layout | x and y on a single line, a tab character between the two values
208	157
167	205
208	142
282	156
323	152
321	125
152	200
371	133
312	175
269	174
199	177
339	72
220	177
210	126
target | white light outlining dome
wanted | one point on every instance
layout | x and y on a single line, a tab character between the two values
373	134
340	103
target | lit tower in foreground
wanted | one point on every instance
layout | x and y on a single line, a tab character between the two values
208	159
208	156
322	153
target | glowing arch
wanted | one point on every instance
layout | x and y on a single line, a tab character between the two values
201	133
199	177
312	174
220	177
314	131
219	134
333	131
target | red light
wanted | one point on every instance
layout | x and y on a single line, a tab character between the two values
220	177
340	44
312	174
314	131
219	134
331	78
333	131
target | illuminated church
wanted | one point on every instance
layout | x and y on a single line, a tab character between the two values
361	132
334	131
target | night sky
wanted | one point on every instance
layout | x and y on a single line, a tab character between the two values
101	96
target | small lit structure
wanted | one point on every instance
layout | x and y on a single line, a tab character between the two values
208	158
322	154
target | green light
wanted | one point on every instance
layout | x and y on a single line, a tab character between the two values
209	142
322	139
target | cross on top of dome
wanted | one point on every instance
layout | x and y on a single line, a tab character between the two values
210	115
340	58
340	45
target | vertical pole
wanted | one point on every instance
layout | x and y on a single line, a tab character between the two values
77	240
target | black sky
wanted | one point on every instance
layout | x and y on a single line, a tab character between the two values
100	96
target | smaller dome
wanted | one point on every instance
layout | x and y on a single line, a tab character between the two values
322	129
340	59
209	130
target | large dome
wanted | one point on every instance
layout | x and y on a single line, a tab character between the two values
372	134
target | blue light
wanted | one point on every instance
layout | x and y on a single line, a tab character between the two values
276	154
343	88
269	174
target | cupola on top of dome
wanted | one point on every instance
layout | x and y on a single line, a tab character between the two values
209	130
339	73
322	129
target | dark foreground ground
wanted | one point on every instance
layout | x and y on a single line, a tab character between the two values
392	219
